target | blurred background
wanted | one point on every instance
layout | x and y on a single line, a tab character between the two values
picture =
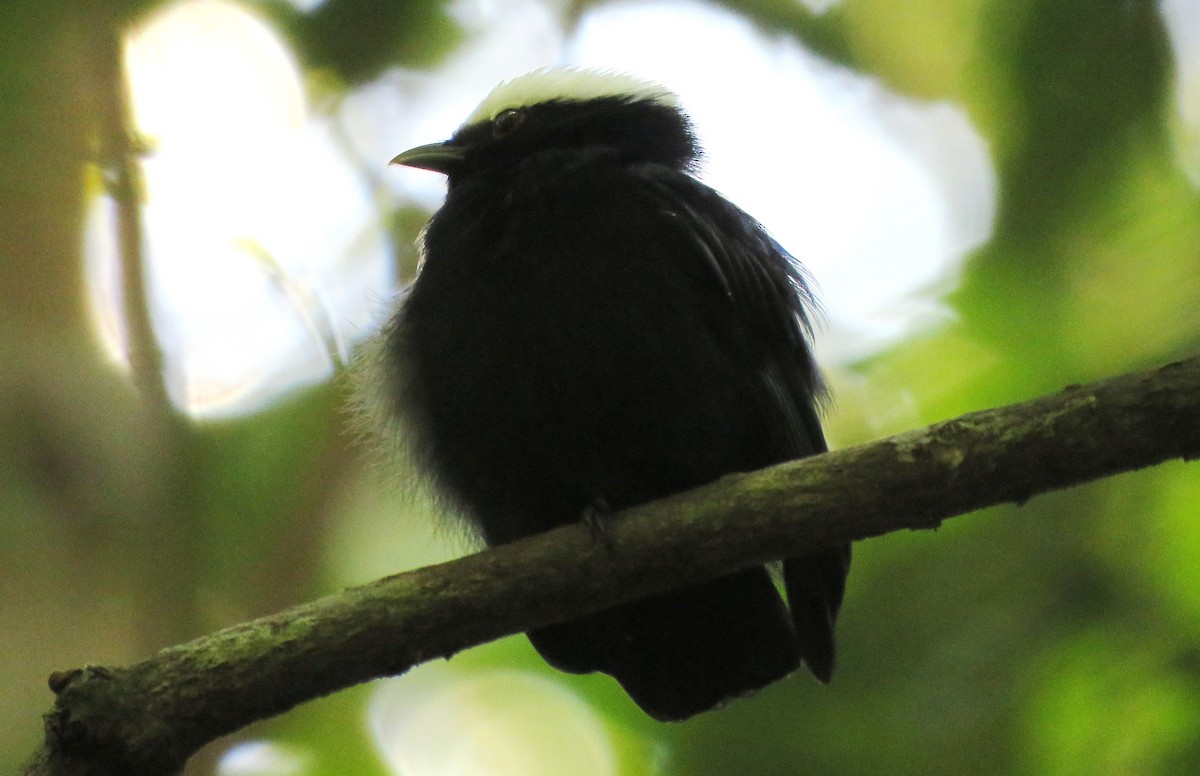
997	198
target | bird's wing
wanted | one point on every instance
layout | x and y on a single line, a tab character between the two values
766	308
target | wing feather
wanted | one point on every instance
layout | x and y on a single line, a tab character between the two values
772	302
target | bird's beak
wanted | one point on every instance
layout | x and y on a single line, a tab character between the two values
439	157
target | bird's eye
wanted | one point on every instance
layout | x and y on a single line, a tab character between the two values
506	121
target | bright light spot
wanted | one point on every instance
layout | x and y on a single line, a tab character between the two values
262	758
435	722
264	252
818	6
307	6
209	72
1183	26
879	196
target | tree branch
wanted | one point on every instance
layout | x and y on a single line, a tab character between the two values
120	150
147	719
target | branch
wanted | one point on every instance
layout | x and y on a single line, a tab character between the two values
120	150
147	719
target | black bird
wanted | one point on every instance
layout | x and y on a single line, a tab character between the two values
593	328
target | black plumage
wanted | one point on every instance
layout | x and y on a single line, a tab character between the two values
592	327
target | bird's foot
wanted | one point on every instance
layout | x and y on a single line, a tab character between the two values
595	517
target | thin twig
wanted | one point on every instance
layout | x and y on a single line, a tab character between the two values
120	161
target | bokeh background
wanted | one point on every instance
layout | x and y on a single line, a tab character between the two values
997	198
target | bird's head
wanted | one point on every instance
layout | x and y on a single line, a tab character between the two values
565	109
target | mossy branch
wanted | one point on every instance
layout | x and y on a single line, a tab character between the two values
147	719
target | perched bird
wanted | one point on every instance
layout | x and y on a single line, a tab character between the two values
593	328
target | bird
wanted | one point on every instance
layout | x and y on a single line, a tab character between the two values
591	327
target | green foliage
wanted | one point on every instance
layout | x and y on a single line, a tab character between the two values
356	40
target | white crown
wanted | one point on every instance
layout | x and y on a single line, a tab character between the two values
567	83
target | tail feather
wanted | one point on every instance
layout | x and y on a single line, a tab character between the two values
815	585
683	652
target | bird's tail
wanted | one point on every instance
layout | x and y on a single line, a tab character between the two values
683	652
815	584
